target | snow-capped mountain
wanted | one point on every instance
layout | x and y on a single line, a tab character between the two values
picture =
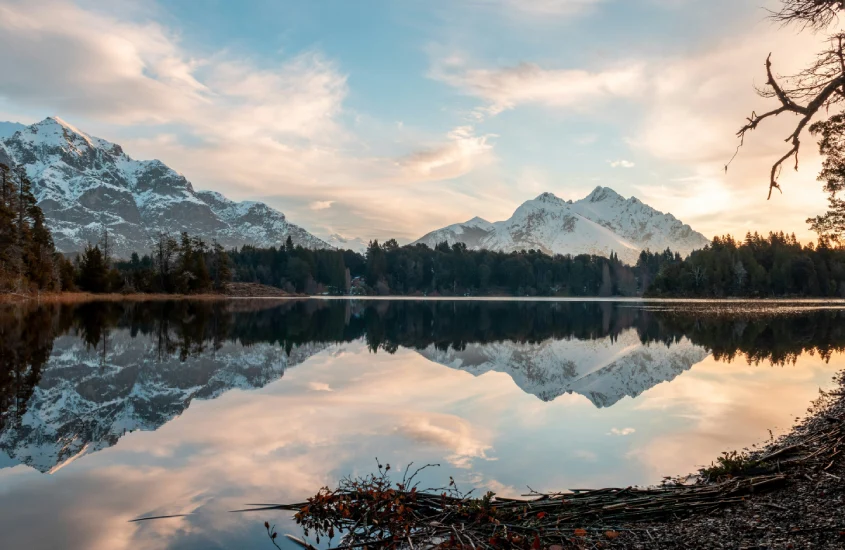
84	183
473	233
603	370
83	405
356	244
601	223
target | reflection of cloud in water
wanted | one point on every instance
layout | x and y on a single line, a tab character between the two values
448	433
727	406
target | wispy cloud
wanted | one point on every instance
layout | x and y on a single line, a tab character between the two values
504	88
460	153
541	7
82	62
621	164
321	205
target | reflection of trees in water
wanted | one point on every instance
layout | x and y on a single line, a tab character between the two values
190	328
26	340
778	340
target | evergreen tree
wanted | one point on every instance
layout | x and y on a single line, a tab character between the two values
832	147
93	271
27	254
221	271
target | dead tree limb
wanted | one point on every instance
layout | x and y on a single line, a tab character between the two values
808	14
806	94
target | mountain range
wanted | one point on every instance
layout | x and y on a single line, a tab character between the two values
84	184
601	223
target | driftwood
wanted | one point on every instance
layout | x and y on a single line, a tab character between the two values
375	512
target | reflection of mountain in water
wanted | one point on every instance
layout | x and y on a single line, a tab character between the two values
84	404
75	378
603	370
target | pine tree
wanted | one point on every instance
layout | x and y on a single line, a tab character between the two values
93	271
221	272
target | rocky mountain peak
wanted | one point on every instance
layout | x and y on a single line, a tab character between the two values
84	183
550	198
600	194
602	223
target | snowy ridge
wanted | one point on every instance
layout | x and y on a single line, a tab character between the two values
83	405
472	233
356	244
601	223
603	370
83	183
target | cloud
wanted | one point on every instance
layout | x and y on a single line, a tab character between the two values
541	7
56	54
447	432
321	205
622	164
693	108
458	155
621	432
506	88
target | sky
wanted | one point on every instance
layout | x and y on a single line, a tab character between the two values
380	119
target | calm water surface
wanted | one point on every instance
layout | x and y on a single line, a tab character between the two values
114	411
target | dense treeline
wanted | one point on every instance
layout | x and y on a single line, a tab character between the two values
445	270
296	269
28	259
186	266
773	266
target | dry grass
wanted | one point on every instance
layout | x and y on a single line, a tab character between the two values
79	297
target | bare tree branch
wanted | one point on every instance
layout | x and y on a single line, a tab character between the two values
817	88
809	14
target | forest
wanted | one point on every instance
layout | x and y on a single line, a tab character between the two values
776	265
773	266
756	267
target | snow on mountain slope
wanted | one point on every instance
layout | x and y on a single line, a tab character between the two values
603	370
472	233
638	222
601	223
83	405
356	244
84	183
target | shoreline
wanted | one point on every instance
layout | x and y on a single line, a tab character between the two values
277	294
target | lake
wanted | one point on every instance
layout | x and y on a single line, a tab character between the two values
113	411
